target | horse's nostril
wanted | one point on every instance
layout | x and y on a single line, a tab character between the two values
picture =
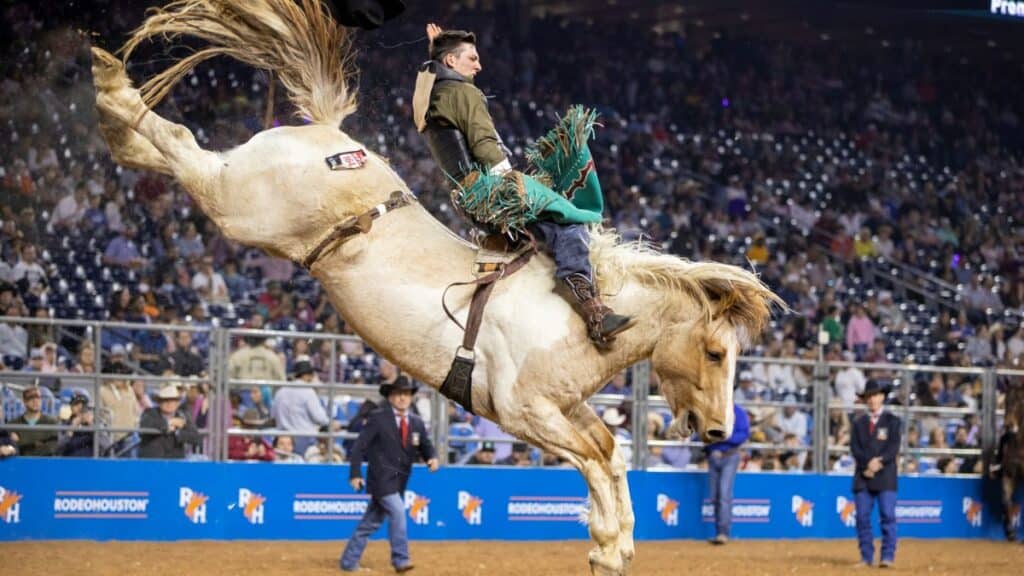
715	434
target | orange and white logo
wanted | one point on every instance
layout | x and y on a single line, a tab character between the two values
668	510
193	504
251	504
10	506
973	509
418	507
847	511
472	508
804	511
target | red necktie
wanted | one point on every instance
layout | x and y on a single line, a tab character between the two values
871	427
404	429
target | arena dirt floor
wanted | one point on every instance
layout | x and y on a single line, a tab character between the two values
747	558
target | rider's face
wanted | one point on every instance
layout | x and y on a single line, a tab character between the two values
465	61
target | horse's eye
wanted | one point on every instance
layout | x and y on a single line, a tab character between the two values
715	357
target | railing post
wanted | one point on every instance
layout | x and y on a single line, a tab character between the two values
439	406
988	415
641	394
822	395
97	384
332	382
219	396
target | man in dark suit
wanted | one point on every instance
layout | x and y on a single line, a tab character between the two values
875	443
392	439
175	427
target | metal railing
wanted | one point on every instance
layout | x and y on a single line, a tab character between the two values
218	429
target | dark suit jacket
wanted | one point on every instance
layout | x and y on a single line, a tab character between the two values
166	444
389	463
885	442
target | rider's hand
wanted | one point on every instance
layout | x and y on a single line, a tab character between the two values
432	32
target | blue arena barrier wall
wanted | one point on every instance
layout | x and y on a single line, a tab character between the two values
163	500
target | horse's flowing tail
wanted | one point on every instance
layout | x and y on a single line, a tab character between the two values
296	39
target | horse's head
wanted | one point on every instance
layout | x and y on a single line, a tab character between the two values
695	362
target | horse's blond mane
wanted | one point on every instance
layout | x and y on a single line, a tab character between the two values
716	288
298	40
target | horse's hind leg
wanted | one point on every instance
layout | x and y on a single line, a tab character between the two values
139	137
587	421
1008	484
543	424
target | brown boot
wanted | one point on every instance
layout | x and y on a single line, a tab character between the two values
602	323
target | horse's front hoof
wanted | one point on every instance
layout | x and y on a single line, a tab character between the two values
602	565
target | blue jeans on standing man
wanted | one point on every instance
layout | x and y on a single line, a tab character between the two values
722	466
865	501
392	508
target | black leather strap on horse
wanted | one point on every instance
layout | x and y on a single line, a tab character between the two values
458	384
357	225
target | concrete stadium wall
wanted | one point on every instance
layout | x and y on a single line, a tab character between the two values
56	499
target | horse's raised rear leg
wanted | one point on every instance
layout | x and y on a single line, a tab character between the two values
542	423
140	138
591	425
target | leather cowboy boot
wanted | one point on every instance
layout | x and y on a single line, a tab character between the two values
602	323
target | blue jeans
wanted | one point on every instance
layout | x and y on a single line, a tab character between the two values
865	501
569	245
389	507
722	475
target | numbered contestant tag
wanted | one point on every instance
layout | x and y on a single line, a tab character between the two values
347	160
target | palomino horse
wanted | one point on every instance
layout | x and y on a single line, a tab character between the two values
535	366
1011	448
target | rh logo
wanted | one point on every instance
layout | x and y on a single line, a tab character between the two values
418	507
193	503
10	506
251	504
847	511
973	509
668	509
472	508
804	511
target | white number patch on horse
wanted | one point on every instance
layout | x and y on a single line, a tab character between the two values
347	160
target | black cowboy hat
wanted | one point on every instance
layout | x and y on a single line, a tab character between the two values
400	384
366	14
872	387
302	367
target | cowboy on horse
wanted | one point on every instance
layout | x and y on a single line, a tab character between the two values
554	205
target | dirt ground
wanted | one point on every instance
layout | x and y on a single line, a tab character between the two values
746	558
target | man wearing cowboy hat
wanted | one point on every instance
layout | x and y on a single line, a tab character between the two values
298	408
392	439
174	427
875	443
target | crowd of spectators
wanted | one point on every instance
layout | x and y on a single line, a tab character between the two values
814	165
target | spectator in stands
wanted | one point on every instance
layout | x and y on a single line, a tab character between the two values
484	456
71	209
28	273
35	442
298	409
173	427
875	445
13	337
8	444
77	443
185	360
324	451
860	331
838	424
259	409
122	250
791	420
849	381
747	390
617	420
190	244
618	386
520	455
284	451
248	447
118	397
209	284
723	462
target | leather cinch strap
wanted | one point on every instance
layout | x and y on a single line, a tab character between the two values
357	225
